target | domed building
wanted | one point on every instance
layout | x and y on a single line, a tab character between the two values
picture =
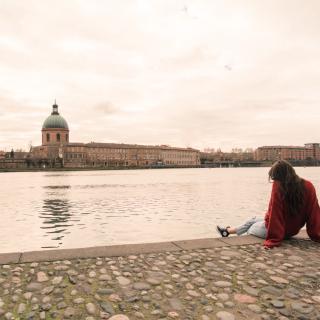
57	151
55	135
55	129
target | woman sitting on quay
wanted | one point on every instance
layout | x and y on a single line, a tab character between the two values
293	204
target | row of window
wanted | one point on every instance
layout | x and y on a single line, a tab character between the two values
177	155
58	137
74	155
179	162
150	153
122	150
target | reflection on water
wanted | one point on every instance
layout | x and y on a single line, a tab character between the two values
82	209
56	216
56	220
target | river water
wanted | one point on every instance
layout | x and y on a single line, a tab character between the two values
41	210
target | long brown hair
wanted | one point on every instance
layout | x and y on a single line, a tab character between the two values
292	186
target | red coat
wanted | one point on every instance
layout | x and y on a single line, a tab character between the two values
280	225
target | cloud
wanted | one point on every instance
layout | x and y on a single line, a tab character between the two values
106	108
146	72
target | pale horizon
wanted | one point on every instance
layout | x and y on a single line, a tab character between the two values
201	74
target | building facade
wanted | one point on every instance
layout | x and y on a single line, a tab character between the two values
56	148
311	151
125	155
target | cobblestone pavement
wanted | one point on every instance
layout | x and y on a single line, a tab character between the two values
225	283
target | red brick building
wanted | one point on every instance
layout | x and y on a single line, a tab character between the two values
311	151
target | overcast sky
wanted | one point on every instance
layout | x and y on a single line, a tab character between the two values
241	73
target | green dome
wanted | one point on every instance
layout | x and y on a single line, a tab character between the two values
55	120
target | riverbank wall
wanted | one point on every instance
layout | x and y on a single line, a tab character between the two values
206	279
50	169
20	166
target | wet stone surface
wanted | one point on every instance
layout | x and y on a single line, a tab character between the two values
238	282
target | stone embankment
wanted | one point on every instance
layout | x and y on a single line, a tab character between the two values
224	279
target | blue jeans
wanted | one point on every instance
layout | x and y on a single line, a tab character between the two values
254	226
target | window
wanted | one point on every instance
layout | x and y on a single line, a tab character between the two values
48	137
58	137
67	137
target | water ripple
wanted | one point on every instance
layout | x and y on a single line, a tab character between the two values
80	209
